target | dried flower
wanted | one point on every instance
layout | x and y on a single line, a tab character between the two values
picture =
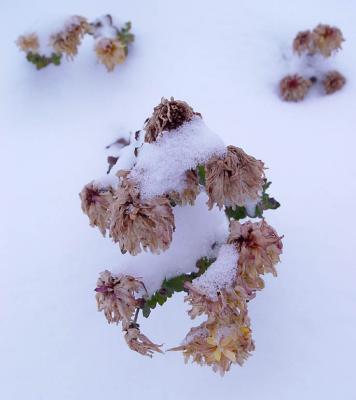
138	342
110	52
234	179
327	39
294	87
115	295
304	42
259	248
168	115
333	82
28	42
68	40
190	191
96	202
149	223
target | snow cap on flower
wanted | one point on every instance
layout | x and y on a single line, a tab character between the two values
327	39
333	82
294	87
110	52
137	341
96	202
168	115
304	43
116	296
68	40
189	192
135	223
28	42
259	248
234	179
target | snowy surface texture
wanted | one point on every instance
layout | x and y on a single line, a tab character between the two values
161	166
225	59
188	245
221	273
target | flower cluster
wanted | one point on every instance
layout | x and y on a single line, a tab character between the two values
322	42
111	43
219	286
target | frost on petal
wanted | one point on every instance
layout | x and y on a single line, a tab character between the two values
138	342
116	296
110	52
294	87
28	42
234	179
135	223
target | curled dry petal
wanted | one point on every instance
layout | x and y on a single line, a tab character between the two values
138	342
294	87
110	52
190	191
304	43
233	180
327	39
333	82
28	42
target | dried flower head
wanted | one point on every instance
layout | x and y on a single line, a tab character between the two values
135	223
28	42
110	52
96	202
327	39
304	43
168	115
259	248
218	346
116	296
234	179
190	191
69	39
333	82
294	87
137	341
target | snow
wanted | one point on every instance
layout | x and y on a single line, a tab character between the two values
221	274
161	166
225	59
188	246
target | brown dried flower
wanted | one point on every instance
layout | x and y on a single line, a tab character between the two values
110	52
68	40
259	248
28	42
304	42
294	87
135	223
96	203
168	115
327	39
234	179
115	295
190	191
137	341
333	82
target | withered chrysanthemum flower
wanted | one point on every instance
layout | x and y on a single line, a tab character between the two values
217	345
234	179
137	341
135	223
190	191
333	82
28	42
95	204
115	295
294	87
259	248
168	115
68	40
304	43
110	52
327	39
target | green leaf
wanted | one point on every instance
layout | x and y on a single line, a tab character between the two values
237	214
266	202
201	174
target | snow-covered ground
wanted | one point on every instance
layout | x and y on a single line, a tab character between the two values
225	59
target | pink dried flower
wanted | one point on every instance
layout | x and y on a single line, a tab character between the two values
259	248
116	296
138	342
28	42
190	191
96	203
135	223
234	179
110	52
333	82
304	43
294	87
327	39
168	115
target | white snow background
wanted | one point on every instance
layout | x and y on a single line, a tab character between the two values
225	58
